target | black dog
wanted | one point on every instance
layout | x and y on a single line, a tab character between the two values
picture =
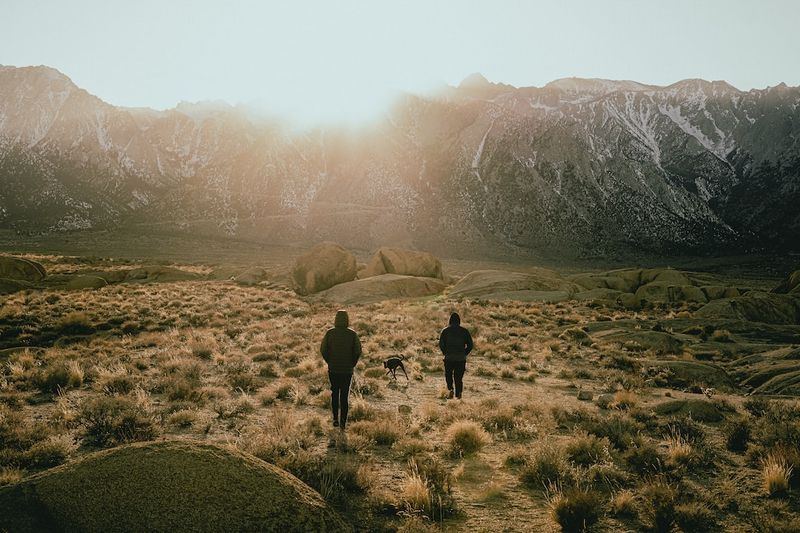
392	364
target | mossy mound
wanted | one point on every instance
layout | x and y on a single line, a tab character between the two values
700	410
667	292
77	283
658	341
8	286
165	486
687	373
790	285
159	274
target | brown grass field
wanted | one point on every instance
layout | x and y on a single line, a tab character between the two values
238	365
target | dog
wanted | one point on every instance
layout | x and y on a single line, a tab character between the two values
392	364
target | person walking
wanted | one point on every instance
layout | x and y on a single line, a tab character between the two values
341	349
455	342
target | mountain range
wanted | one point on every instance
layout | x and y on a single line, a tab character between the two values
579	166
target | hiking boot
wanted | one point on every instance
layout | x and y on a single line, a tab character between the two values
450	395
336	423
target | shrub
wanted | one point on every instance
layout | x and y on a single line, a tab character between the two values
619	429
623	504
695	516
721	335
52	451
383	432
624	400
76	322
679	451
112	420
659	505
547	465
606	475
9	476
54	378
466	437
775	475
586	450
737	434
575	509
643	459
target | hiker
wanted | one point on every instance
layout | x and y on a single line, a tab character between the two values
455	342
341	349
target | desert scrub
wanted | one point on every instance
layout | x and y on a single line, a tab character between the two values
411	446
9	476
643	458
384	431
659	499
546	466
427	489
51	451
586	450
575	509
775	475
113	420
619	429
465	437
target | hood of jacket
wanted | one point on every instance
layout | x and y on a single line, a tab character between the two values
341	320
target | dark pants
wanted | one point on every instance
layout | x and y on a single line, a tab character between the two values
340	391
454	371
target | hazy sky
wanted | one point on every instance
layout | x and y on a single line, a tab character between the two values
333	59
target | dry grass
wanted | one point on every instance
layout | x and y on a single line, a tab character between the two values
218	362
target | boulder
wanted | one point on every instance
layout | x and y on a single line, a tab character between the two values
658	341
687	373
403	262
325	265
504	285
663	275
251	276
610	295
755	306
160	274
224	273
629	301
165	486
790	285
85	282
7	286
667	292
715	292
383	287
21	269
631	277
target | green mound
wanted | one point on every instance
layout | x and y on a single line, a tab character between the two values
541	285
755	306
699	410
687	373
165	486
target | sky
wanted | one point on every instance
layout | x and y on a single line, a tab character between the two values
315	61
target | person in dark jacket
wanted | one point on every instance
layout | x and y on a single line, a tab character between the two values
455	342
341	349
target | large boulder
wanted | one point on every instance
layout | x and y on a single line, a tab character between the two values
160	274
790	285
165	486
383	287
541	285
8	286
663	275
77	283
755	306
325	265
667	292
404	262
715	292
251	276
700	410
21	269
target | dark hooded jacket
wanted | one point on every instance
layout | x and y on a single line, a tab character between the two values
455	342
341	347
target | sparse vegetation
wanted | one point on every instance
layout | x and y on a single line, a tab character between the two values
217	362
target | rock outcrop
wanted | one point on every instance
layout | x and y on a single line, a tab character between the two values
403	262
326	265
790	285
383	287
159	274
755	306
21	269
77	283
165	486
541	285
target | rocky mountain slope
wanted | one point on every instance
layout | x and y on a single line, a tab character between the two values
579	166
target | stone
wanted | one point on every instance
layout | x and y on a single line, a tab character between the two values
85	282
20	269
503	285
165	486
8	286
404	262
585	396
325	265
383	287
